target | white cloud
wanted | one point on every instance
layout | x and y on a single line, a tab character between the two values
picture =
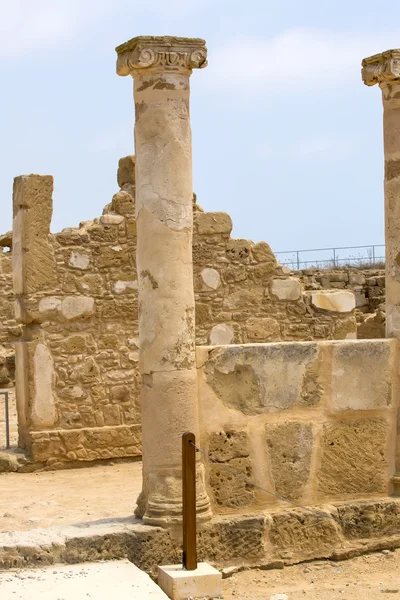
28	25
297	59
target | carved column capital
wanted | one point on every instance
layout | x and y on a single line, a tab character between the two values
381	68
163	53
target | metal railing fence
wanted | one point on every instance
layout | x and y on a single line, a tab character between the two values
333	257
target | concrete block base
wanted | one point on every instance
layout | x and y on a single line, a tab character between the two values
179	584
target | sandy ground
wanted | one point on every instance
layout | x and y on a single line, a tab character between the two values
12	417
66	497
370	577
44	499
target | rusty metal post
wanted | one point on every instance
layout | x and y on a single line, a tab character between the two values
189	501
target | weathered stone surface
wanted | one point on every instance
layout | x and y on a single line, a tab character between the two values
77	307
289	448
372	519
262	253
213	223
226	445
228	490
211	278
221	334
109	220
260	378
286	289
79	261
297	532
86	444
230	448
34	265
6	240
362	376
353	459
263	330
126	171
334	301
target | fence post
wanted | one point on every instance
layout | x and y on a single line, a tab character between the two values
298	260
334	257
373	254
7	418
189	501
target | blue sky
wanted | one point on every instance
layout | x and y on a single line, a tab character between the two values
286	138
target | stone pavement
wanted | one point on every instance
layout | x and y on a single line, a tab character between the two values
119	579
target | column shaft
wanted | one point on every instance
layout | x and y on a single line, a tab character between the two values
384	69
164	213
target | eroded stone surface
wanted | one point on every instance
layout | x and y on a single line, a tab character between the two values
361	376
341	302
289	448
263	378
286	289
230	449
297	532
221	335
211	278
353	459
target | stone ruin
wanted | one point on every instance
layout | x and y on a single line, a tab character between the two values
77	316
269	376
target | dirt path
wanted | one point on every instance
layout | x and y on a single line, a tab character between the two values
371	577
30	500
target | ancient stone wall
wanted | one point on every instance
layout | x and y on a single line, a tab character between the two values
368	286
77	376
243	295
312	422
77	379
9	329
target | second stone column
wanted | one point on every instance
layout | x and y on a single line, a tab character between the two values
161	67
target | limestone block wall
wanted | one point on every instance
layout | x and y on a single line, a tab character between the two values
244	296
76	302
77	379
368	286
9	329
310	421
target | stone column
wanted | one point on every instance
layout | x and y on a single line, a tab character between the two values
384	69
161	67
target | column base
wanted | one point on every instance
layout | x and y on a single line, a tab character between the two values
160	501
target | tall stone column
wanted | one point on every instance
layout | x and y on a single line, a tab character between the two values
384	70
161	67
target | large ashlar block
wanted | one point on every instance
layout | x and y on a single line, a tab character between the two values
286	289
342	302
213	222
34	265
35	378
179	584
299	533
354	458
362	375
266	377
289	448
